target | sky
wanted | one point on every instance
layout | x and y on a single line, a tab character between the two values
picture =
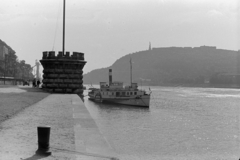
106	30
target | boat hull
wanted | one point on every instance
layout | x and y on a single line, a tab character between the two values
144	101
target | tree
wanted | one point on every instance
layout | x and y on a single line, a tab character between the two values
12	67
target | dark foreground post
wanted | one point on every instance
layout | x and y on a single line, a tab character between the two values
43	140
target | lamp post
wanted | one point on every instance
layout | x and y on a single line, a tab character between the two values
4	70
28	73
5	63
23	73
14	68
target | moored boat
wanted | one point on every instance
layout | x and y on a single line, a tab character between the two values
116	92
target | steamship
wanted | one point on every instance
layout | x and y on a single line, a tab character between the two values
116	92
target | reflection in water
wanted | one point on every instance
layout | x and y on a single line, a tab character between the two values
82	97
113	107
180	123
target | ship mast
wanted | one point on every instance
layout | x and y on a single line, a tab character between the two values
131	72
63	47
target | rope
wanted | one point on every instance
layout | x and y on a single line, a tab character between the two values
55	34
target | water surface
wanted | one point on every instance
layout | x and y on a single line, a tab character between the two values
181	123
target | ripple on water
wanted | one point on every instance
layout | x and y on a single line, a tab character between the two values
200	125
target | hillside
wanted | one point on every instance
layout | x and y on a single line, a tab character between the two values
172	65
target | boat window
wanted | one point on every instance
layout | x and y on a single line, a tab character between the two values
123	93
117	94
130	93
135	93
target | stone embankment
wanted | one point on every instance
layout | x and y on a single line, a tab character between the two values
74	134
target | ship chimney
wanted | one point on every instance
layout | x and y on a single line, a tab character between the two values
110	76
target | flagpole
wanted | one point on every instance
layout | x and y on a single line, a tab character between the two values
131	72
63	47
4	67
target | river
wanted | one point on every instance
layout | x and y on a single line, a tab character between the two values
181	123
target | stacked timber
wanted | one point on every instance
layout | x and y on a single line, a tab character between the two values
63	73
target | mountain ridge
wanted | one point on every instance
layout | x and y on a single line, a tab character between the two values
170	65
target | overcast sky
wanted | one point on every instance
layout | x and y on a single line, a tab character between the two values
106	30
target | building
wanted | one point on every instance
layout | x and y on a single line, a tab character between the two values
3	51
149	48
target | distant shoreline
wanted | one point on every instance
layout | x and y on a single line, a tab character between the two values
199	85
185	85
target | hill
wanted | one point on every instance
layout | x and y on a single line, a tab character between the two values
171	65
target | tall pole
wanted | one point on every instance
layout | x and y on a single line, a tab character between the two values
131	72
110	76
14	73
63	47
37	72
23	72
4	67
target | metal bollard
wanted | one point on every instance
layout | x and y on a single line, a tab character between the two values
43	140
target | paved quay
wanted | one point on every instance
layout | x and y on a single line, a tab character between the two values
74	133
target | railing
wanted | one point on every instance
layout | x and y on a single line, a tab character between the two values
10	81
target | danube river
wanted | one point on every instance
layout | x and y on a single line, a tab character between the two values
181	123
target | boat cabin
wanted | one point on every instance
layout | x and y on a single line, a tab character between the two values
116	85
113	85
103	85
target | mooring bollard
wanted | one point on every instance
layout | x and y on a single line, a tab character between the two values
43	140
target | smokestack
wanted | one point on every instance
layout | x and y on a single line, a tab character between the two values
110	76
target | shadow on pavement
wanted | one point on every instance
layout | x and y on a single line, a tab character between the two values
35	157
81	96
